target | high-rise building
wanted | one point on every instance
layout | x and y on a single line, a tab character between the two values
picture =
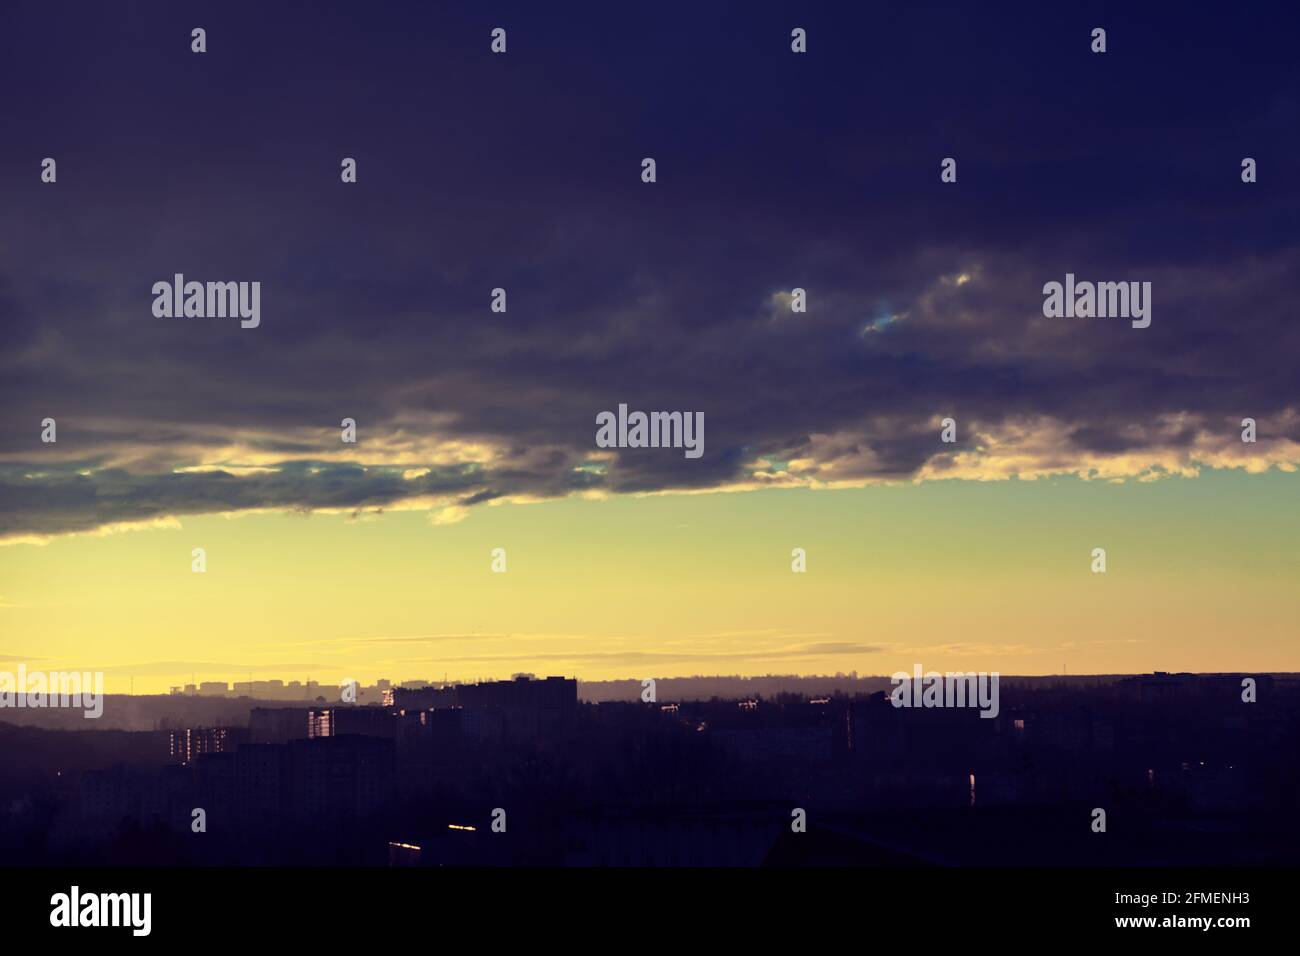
184	745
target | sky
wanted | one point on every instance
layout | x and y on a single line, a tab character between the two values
476	430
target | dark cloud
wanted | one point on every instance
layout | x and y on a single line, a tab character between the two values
521	172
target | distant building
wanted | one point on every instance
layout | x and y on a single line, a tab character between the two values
522	708
364	721
117	792
530	709
216	786
336	778
559	694
184	745
260	771
1162	687
278	725
279	690
423	698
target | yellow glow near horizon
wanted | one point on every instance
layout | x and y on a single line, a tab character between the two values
954	575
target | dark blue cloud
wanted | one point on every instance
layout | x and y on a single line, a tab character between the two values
775	171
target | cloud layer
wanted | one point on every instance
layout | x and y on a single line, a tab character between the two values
522	173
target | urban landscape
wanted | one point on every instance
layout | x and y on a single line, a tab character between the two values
524	772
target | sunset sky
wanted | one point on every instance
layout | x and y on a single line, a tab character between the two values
476	430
